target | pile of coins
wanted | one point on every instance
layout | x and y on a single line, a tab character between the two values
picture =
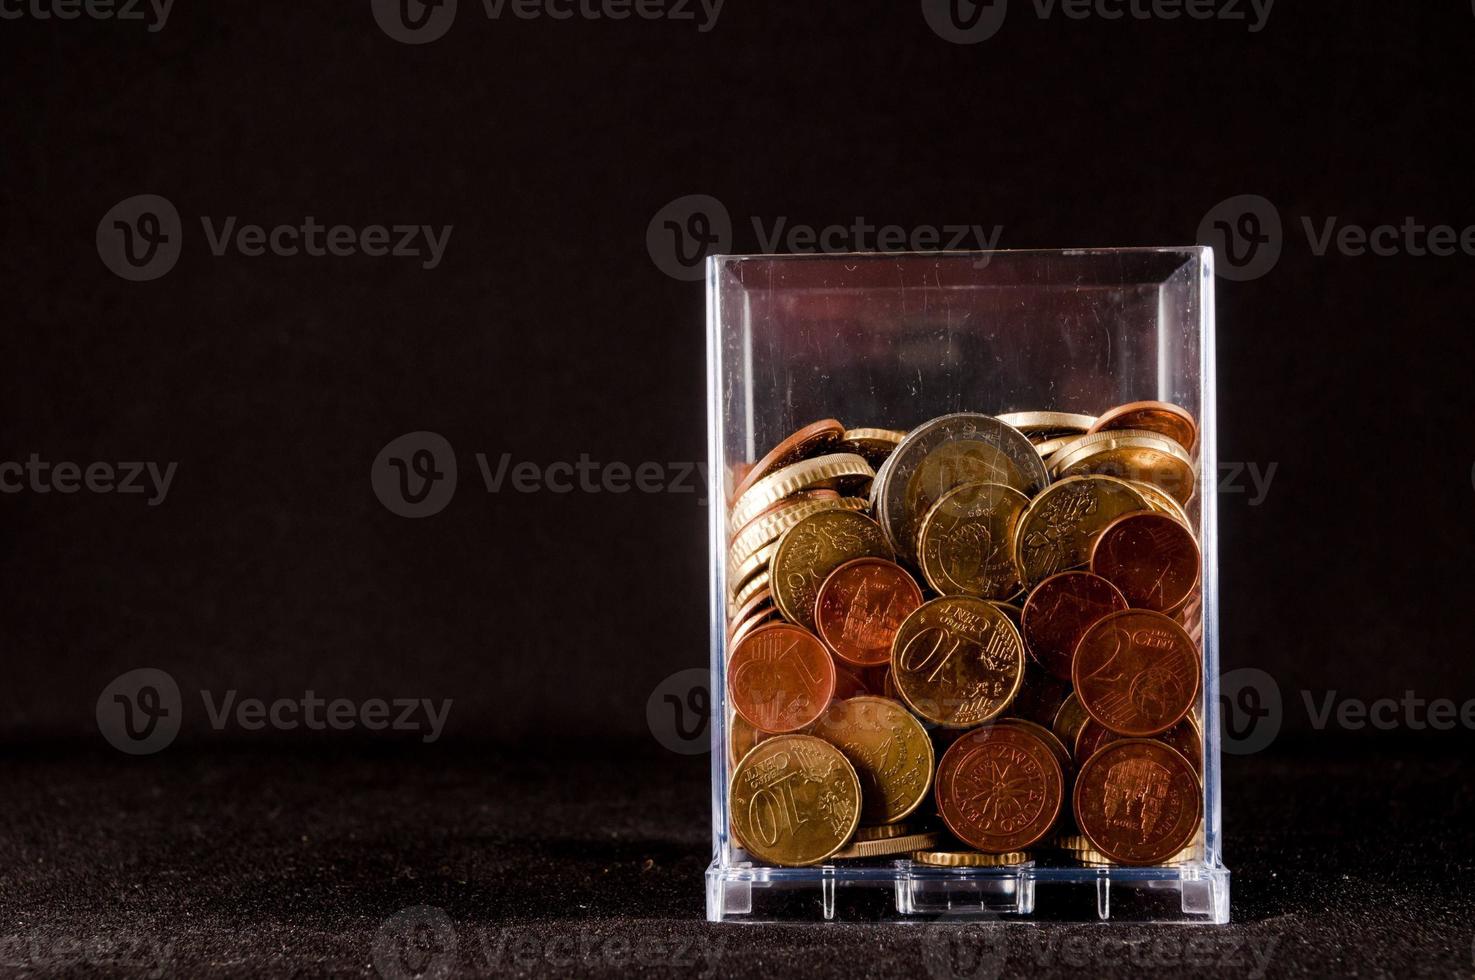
968	642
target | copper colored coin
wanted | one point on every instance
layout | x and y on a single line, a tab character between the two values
1182	737
765	617
1138	801
861	605
1136	672
1150	557
780	678
1000	788
762	600
811	440
1163	417
741	737
1059	611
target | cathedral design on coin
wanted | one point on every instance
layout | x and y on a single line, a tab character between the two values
1138	801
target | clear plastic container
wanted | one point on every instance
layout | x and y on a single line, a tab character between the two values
890	341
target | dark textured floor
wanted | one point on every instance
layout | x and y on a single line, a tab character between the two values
280	863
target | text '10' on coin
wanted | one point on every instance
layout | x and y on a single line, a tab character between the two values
966	542
1060	610
795	800
1000	788
860	607
1151	558
812	549
890	751
1138	801
780	678
957	661
1136	672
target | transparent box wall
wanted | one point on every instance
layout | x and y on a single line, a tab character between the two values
890	341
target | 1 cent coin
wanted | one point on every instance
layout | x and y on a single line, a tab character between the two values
1136	672
1137	801
1000	788
780	678
1150	557
1060	610
860	607
795	800
957	661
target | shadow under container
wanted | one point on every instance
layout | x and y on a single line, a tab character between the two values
890	341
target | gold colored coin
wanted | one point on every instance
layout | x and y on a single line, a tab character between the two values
1056	530
743	574
842	470
966	541
946	452
754	585
971	859
1049	447
889	749
1173	421
795	800
1069	719
1162	502
896	845
957	661
813	548
1145	456
885	831
1032	423
770	527
741	737
1073	842
874	444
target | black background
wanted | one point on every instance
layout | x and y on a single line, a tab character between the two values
548	331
